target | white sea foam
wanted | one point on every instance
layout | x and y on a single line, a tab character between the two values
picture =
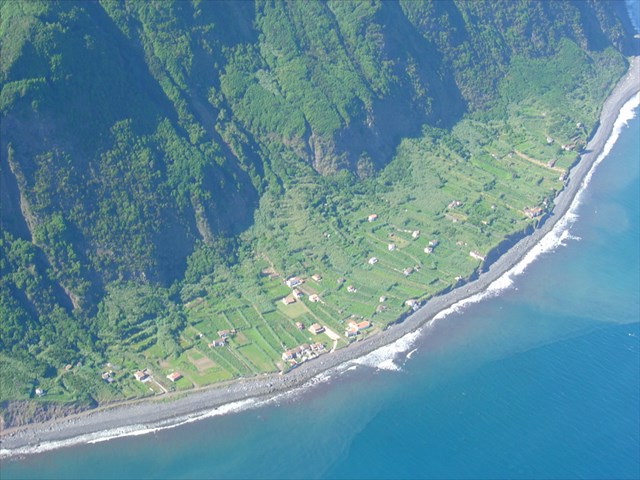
388	364
144	429
560	231
566	235
232	407
132	430
627	112
410	354
319	379
381	358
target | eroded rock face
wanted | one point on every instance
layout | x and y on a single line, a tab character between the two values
16	414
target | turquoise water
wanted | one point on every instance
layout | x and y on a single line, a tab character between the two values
541	381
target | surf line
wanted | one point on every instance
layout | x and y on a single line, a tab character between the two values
384	356
561	230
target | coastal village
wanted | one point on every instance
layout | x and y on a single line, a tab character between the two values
345	283
278	221
313	307
315	326
309	307
299	314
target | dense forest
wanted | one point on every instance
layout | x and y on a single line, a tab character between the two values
154	153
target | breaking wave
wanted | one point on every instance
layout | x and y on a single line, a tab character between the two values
132	430
383	358
561	230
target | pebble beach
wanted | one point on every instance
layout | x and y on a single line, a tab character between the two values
167	408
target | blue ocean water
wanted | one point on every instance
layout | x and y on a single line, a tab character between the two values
541	381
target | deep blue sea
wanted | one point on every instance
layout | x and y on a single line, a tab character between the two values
541	380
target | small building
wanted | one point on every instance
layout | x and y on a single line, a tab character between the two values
391	247
296	352
354	328
415	234
411	303
226	333
293	282
351	289
220	342
407	271
299	325
428	250
313	298
39	392
297	293
288	355
363	325
289	299
382	299
316	328
316	277
372	261
372	218
433	243
340	280
141	375
476	255
317	347
532	212
175	376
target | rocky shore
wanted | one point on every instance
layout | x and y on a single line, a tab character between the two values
167	407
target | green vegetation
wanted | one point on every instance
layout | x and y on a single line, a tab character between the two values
166	166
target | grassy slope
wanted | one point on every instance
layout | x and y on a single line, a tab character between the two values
305	224
318	229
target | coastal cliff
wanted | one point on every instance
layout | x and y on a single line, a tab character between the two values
156	160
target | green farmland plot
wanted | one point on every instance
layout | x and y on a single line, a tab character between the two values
258	357
293	310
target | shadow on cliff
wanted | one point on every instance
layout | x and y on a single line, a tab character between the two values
403	112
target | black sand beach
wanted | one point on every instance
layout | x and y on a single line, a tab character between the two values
166	407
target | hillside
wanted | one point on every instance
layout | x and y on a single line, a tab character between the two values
165	166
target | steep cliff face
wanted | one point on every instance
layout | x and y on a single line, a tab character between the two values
136	135
97	163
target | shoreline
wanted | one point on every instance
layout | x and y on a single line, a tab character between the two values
149	414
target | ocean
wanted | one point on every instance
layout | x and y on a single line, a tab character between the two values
539	378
